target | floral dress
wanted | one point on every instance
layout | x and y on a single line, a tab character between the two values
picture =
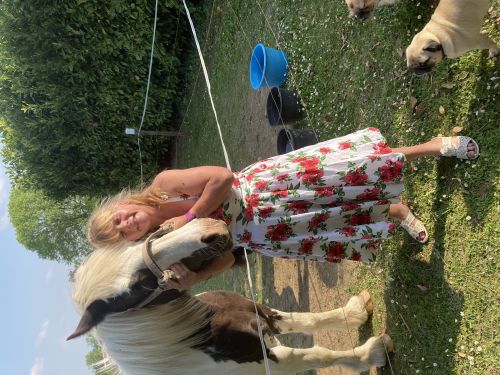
325	202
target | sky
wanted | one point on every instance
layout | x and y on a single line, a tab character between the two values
37	313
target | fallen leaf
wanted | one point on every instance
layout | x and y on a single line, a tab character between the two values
420	107
422	287
441	109
462	354
413	102
448	85
457	129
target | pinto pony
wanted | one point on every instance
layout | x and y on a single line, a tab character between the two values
211	333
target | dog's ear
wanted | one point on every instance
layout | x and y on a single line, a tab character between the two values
433	47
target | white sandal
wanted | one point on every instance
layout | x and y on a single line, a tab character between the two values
460	149
414	227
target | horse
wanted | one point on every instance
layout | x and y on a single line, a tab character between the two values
213	332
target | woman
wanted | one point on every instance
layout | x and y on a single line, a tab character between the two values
327	202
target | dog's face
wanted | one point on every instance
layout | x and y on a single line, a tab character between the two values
361	9
423	53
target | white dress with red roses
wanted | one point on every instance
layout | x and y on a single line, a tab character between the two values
325	202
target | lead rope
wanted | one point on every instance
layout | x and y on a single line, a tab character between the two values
252	292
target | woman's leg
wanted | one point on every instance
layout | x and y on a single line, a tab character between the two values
431	148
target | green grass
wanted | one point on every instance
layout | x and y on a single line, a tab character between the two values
439	301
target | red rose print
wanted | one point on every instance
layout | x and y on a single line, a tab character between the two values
298	160
355	178
369	194
252	200
392	228
307	244
317	220
335	252
372	245
391	171
236	182
382	148
249	177
325	150
282	177
310	176
348	231
248	213
280	193
324	191
345	145
261	185
355	255
278	232
366	236
217	214
310	163
373	129
360	219
298	207
349	207
246	237
265	212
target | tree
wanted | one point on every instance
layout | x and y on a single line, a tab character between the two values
54	230
95	356
72	78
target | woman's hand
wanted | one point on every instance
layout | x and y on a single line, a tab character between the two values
184	277
174	223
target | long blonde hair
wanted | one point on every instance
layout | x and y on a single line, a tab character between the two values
100	229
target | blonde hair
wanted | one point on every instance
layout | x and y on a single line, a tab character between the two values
100	229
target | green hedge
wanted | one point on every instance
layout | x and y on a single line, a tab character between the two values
73	75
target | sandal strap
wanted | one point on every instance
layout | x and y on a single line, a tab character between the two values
460	149
414	227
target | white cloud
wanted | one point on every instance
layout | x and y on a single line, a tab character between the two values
37	368
43	332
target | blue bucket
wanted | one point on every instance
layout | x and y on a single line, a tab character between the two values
268	67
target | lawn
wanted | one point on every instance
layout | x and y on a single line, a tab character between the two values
439	301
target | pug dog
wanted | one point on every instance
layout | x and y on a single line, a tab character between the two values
453	30
362	9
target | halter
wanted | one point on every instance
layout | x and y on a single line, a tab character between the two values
162	275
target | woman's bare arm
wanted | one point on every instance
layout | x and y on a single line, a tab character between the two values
212	184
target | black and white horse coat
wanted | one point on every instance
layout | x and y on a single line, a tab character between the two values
211	333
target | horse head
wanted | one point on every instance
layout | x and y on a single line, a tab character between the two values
116	280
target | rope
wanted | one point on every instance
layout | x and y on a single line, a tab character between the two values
209	87
147	91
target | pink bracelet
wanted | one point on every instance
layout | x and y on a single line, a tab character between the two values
189	216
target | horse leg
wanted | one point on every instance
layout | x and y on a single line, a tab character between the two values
373	353
351	316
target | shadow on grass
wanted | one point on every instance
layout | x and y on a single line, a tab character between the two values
423	311
480	198
286	300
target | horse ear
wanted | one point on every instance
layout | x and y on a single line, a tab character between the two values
93	315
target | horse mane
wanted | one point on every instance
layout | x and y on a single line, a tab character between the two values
146	341
155	340
105	273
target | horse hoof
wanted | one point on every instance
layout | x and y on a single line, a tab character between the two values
367	300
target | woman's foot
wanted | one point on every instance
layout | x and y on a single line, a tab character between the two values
415	228
409	222
461	147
